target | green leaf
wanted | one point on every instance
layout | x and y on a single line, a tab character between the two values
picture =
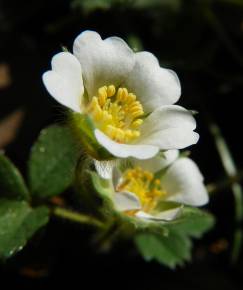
171	251
52	162
101	186
193	222
18	223
12	184
174	248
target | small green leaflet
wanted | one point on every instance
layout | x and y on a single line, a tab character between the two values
175	248
170	251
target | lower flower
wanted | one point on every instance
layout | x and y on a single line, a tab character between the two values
155	189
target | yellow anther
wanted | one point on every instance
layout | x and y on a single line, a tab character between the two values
137	123
129	174
119	134
110	130
94	103
128	133
116	113
97	115
136	134
124	94
136	114
111	91
144	185
107	116
156	192
136	109
102	93
135	104
148	175
131	98
119	94
102	90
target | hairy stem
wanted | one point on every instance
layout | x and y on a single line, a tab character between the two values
76	217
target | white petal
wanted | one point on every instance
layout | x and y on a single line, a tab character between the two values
174	138
154	86
64	81
105	168
166	215
158	162
143	215
169	127
184	183
116	177
104	62
125	150
169	215
124	201
169	116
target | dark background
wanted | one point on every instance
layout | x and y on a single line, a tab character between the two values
200	40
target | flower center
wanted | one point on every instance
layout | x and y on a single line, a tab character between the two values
144	185
117	113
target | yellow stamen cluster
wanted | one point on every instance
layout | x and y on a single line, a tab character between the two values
144	185
117	113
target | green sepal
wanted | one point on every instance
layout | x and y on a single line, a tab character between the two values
139	226
94	192
83	129
18	223
12	184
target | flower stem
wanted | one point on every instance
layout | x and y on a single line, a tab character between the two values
76	217
231	171
223	184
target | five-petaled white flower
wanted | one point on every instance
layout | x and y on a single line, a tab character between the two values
156	188
127	97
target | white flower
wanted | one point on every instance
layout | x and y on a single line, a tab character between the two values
157	188
127	96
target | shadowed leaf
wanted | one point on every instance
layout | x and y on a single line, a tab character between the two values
52	162
12	184
18	223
